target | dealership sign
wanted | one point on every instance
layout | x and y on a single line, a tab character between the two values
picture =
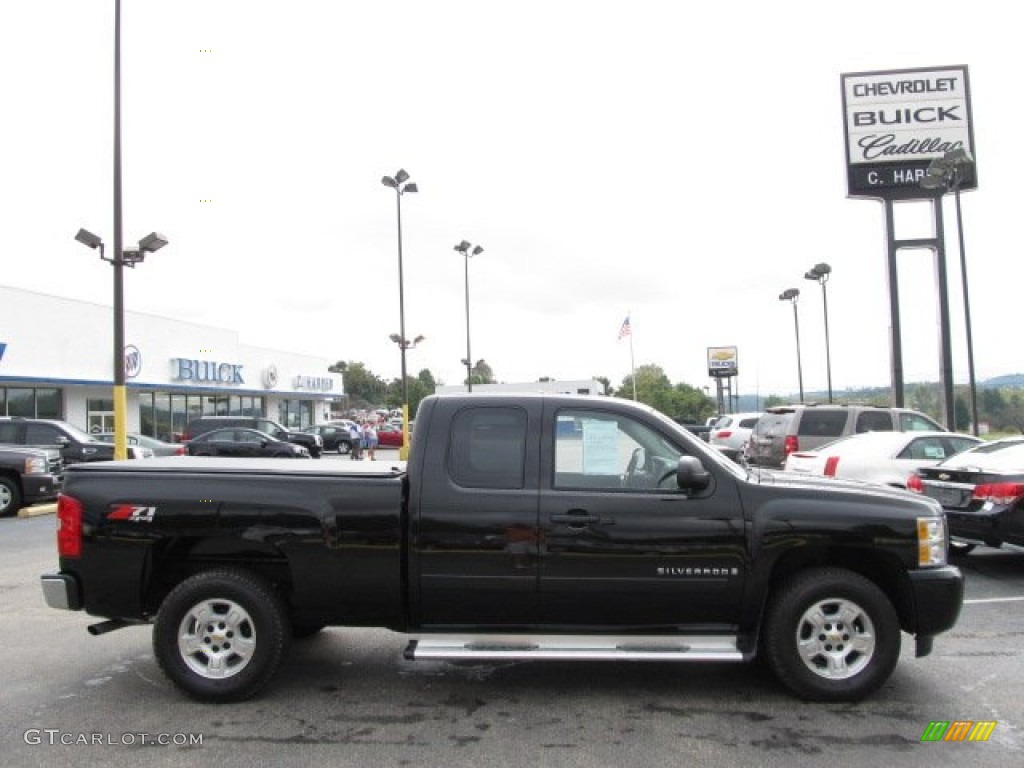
896	122
723	361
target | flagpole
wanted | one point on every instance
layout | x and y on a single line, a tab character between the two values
632	362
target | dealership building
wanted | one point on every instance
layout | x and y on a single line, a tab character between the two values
55	363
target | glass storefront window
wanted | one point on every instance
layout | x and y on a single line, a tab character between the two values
21	402
48	404
162	409
147	419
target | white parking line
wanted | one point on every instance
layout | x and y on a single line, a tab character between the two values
994	600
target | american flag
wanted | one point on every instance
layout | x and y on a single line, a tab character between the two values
625	329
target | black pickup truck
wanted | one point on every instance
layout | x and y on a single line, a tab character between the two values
522	527
28	476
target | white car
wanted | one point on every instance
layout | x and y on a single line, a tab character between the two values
883	458
733	430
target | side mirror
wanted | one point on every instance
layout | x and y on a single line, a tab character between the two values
62	441
691	475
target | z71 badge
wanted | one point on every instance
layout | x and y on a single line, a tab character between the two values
132	513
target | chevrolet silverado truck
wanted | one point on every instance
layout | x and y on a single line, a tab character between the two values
28	476
522	527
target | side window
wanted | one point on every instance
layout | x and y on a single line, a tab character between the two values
40	434
8	432
602	451
874	421
814	423
487	448
924	448
915	422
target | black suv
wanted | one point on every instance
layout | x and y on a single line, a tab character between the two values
783	429
313	443
75	445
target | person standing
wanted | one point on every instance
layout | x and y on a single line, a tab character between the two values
370	437
355	435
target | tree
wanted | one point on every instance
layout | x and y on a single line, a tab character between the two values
681	402
482	373
606	383
364	388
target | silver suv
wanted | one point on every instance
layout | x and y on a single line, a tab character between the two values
781	430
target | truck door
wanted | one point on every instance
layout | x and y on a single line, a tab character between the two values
621	545
473	537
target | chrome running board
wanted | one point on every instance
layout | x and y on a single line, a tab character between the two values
576	647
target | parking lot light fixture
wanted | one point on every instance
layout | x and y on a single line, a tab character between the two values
465	249
946	174
129	258
401	184
792	295
820	273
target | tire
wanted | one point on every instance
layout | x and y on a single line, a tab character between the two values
344	448
220	635
10	496
831	635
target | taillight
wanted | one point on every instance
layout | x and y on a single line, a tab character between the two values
723	433
791	445
915	484
830	466
69	526
180	451
999	493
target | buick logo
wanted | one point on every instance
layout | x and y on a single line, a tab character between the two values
132	361
270	377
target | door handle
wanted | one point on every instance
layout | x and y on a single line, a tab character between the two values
580	517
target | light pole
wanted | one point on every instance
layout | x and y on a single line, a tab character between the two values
820	273
463	248
792	295
947	173
401	184
149	244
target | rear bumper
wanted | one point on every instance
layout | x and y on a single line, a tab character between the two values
61	591
938	596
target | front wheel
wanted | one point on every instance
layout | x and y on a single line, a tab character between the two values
10	497
831	635
220	635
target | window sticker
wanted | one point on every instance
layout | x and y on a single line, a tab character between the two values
600	447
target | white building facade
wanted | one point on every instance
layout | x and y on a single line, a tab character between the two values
55	362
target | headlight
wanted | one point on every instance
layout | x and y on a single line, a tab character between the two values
35	466
931	541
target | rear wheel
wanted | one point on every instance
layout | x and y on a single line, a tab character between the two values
344	447
10	497
220	635
831	635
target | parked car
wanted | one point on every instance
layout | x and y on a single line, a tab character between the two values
883	458
733	430
389	436
198	426
75	444
335	436
786	429
243	443
982	491
147	443
28	476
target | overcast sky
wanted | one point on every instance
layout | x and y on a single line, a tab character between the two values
680	163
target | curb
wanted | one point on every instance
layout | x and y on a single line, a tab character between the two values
38	509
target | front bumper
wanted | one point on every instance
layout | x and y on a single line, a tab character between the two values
43	487
61	591
938	595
